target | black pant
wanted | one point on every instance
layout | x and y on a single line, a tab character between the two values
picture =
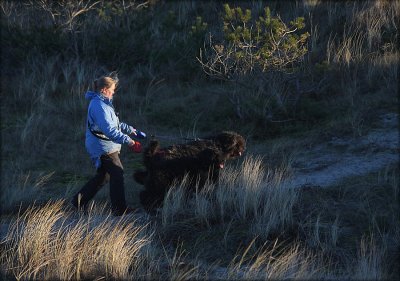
110	170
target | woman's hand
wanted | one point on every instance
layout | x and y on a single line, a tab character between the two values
135	146
139	134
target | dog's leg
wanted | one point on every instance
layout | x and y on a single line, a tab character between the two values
152	197
150	201
140	176
213	175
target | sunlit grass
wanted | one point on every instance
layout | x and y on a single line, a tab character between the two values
317	241
51	243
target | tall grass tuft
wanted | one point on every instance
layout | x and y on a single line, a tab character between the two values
245	194
273	263
370	261
174	203
23	188
49	243
179	269
251	194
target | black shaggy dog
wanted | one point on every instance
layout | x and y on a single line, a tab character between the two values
200	160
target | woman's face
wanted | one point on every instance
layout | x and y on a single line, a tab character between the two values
108	92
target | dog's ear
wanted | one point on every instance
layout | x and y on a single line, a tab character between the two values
227	141
149	152
153	147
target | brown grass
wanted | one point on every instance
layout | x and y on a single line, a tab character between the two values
50	243
312	234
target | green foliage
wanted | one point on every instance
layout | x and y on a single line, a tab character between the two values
264	43
251	49
235	34
198	28
251	44
170	22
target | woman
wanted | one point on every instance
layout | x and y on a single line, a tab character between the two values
104	136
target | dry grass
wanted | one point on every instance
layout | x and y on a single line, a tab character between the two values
355	223
50	243
370	261
245	194
276	264
338	236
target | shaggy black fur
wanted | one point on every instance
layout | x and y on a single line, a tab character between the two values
200	160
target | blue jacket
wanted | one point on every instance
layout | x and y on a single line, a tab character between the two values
101	117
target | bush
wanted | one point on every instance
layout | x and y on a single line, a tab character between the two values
250	45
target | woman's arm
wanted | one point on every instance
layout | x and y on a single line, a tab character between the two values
125	128
107	122
130	130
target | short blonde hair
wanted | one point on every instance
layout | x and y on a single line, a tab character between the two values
104	82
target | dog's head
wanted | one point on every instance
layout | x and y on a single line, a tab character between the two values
232	144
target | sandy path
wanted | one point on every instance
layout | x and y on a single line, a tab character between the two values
328	163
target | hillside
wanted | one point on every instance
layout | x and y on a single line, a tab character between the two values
312	85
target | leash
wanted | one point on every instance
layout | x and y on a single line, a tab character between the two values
174	138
